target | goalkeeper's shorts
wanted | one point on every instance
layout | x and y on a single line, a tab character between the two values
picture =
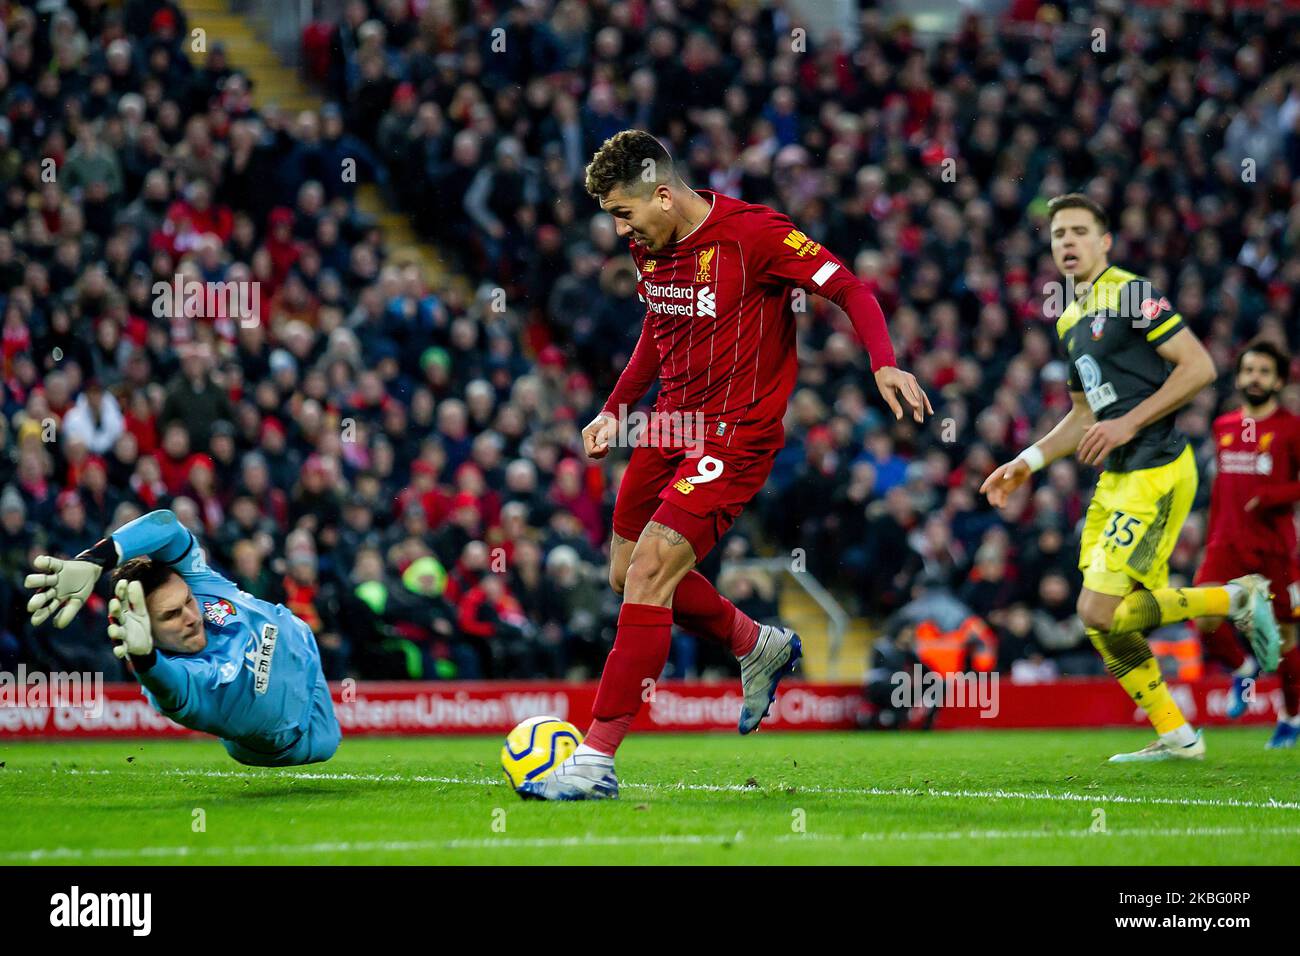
318	740
1133	523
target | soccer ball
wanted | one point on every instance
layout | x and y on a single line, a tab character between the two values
536	747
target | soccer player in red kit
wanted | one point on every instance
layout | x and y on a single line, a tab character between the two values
717	276
1252	528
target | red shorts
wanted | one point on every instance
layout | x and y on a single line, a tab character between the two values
1222	563
697	494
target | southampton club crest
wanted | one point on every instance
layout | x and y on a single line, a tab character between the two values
1098	326
217	611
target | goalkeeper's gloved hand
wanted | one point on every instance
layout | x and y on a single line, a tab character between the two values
66	584
129	621
63	589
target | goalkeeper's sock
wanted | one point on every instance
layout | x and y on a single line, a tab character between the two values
634	664
1145	610
700	609
1129	660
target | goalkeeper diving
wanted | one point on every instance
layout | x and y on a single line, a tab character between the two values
208	655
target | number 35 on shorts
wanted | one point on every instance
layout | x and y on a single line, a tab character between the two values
707	470
1121	531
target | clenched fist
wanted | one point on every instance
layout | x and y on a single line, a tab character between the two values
596	436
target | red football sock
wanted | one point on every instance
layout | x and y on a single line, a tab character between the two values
604	736
1224	647
1288	670
700	609
639	654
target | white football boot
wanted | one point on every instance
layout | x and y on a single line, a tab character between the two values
774	655
1159	750
1254	620
584	776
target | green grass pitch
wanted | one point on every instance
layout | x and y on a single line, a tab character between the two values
957	797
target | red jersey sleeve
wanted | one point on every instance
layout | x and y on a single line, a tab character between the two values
637	377
779	254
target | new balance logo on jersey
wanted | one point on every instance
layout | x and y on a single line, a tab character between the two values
704	303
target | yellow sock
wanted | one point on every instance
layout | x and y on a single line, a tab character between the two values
1145	610
1129	659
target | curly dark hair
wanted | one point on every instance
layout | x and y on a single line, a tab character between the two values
633	160
1281	361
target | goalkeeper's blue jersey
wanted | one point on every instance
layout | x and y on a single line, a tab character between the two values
258	683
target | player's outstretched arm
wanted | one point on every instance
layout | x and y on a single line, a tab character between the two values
63	585
780	253
1059	442
158	534
899	389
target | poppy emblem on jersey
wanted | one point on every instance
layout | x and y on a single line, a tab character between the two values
1151	307
217	611
704	264
1098	326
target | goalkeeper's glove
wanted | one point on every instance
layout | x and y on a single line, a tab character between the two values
65	585
129	621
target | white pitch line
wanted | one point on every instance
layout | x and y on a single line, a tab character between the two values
68	854
1178	832
1036	795
57	854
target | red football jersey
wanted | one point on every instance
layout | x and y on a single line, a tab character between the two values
1255	458
719	330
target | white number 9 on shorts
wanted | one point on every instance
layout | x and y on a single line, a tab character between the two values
709	469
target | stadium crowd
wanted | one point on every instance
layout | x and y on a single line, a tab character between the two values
401	465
